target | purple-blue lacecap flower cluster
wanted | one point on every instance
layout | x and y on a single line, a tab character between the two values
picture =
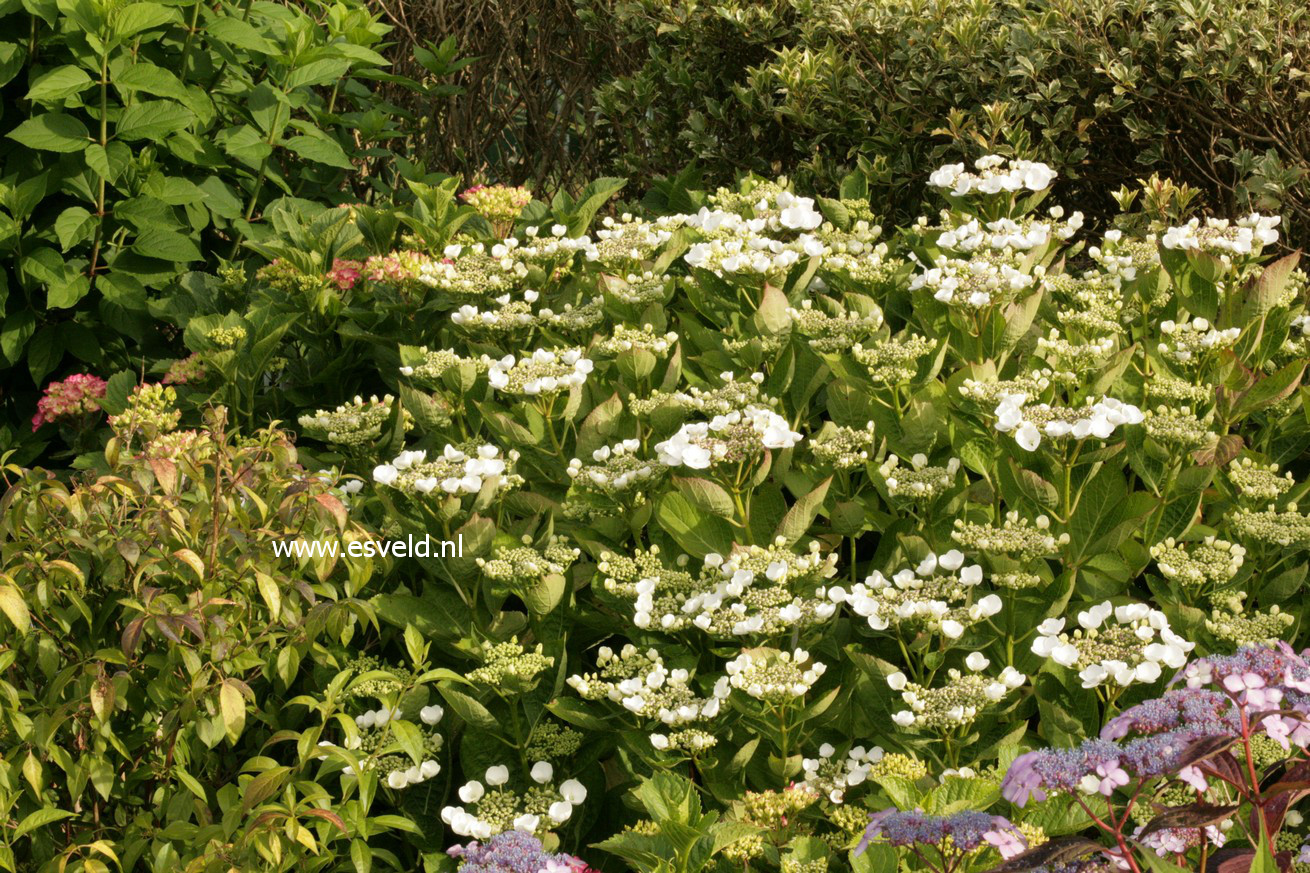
512	852
967	831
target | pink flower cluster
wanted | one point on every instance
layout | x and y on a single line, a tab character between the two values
79	394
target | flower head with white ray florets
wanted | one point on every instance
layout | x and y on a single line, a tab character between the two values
728	438
1029	423
754	591
935	596
493	806
1116	645
957	703
466	469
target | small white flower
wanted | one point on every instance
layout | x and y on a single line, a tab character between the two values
573	791
497	775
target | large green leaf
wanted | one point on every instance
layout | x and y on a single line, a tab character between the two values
52	132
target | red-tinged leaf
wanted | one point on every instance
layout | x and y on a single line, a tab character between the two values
132	634
263	786
1193	815
169	627
1202	749
335	508
1049	853
1224	449
165	473
1223	767
1281	801
328	815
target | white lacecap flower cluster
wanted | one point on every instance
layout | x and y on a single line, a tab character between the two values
734	581
1245	236
469	315
1187	339
398	778
1135	647
545	371
995	175
774	677
571	793
1006	233
831	777
959	701
1030	423
650	690
975	283
699	444
919	480
613	480
474	469
936	594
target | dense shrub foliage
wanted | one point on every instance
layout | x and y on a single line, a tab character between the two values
1209	93
786	541
146	139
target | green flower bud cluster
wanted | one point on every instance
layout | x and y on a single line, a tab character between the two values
509	664
1273	528
151	411
1016	538
1259	482
179	445
893	361
689	741
1171	391
843	448
898	766
644	686
551	741
376	687
286	278
1212	561
1089	304
747	202
497	203
792	864
1265	751
869	267
640	289
1229	621
227	337
436	363
1178	428
573	319
627	339
616	481
919	481
833	333
774	677
523	566
1069	359
776	810
732	396
354	424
